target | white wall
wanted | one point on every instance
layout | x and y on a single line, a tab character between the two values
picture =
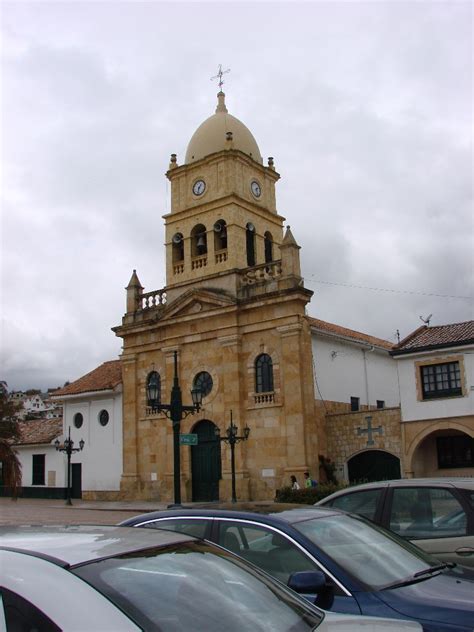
344	370
413	409
54	462
101	457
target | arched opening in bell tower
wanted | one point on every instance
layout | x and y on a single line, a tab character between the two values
198	241
250	243
268	247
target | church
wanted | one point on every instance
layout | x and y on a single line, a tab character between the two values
233	313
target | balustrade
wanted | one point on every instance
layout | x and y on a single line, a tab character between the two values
150	300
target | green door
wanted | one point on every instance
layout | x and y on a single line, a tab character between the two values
206	463
373	465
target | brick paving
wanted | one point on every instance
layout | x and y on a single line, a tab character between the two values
46	511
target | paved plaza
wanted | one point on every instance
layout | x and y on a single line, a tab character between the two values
46	511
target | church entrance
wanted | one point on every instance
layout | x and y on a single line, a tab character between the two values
373	465
205	463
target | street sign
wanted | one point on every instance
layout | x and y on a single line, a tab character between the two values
188	439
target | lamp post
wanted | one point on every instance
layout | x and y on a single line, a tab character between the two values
232	438
175	411
68	448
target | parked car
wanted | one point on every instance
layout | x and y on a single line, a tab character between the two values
81	578
362	567
437	514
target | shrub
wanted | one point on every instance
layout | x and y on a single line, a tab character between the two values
307	495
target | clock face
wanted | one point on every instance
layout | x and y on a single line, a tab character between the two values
256	190
199	187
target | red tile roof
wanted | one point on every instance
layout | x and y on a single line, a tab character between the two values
436	337
105	377
357	336
39	431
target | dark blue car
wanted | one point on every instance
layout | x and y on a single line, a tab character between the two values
356	566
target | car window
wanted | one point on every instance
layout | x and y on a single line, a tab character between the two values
189	526
21	615
363	503
196	586
270	551
426	512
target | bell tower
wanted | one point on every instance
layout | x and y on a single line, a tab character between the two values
223	217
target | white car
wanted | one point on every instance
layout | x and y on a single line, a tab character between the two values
117	579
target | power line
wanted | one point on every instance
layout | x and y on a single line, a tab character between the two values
381	289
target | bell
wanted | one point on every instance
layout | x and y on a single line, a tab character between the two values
201	242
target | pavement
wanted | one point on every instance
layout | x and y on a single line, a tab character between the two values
48	511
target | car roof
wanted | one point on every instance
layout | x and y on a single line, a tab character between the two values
77	544
282	517
440	481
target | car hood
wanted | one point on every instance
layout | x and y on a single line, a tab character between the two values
442	598
334	622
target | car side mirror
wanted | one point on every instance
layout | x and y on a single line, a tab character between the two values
309	582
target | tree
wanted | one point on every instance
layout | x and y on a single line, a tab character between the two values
9	432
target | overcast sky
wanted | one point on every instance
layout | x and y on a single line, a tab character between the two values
366	107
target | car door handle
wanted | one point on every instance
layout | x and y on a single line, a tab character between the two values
464	551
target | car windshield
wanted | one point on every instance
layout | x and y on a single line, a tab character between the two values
193	586
369	554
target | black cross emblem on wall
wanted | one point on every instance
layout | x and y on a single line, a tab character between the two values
369	431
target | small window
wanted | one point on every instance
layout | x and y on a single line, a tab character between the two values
380	403
263	374
427	512
195	527
441	380
268	246
250	242
38	469
455	451
355	404
103	417
204	382
21	614
362	503
78	420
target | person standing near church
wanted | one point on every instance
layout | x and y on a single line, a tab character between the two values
308	481
294	482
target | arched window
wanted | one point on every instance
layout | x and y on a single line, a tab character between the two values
178	247
153	389
263	374
268	242
250	242
220	235
198	241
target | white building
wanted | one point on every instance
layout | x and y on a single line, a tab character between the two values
352	367
436	375
92	411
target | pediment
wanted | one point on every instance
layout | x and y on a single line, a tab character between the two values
196	301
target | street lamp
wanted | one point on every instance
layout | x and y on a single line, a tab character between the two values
68	448
176	412
231	438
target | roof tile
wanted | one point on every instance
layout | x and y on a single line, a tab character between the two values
39	431
357	336
437	336
105	377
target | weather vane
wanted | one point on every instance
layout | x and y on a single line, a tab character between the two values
220	72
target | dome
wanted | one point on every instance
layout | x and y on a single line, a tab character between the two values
210	136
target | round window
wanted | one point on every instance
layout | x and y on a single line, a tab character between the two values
78	420
103	417
203	381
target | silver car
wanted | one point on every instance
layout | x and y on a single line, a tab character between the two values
436	514
117	579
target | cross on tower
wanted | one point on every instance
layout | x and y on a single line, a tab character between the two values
369	430
220	72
